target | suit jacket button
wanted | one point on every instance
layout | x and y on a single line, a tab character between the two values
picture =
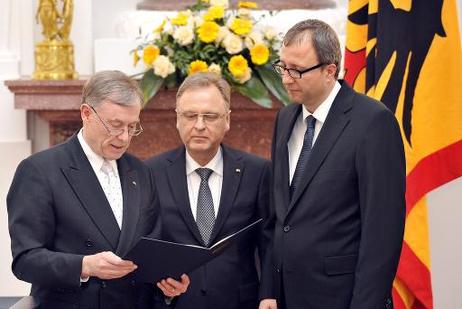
278	270
203	292
287	228
133	282
103	284
88	243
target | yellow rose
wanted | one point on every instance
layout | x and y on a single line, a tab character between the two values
197	66
259	54
181	19
214	12
150	54
238	66
160	28
208	31
241	26
247	5
247	75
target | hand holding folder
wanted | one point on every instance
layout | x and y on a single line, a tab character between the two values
159	259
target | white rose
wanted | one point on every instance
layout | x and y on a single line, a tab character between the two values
253	38
162	66
242	79
222	34
223	3
244	13
215	68
196	21
269	32
184	35
233	44
168	28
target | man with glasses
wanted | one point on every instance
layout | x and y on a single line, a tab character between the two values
338	184
76	209
208	191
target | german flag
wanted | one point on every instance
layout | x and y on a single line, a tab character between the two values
408	55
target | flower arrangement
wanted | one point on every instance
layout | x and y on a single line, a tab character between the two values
211	37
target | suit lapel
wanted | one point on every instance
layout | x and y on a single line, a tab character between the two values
233	168
283	154
178	184
334	125
86	186
131	204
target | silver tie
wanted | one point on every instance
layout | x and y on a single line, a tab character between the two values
113	191
205	216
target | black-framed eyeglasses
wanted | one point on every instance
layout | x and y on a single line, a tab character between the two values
132	129
294	73
208	118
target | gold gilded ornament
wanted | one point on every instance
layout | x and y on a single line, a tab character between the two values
54	56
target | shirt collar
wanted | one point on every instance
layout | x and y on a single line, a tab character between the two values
321	112
216	164
96	161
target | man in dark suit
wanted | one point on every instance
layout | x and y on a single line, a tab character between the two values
208	191
338	184
74	210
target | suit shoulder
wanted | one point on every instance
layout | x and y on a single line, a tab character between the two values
134	162
160	159
248	157
54	155
371	105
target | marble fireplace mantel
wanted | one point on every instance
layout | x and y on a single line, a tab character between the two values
57	103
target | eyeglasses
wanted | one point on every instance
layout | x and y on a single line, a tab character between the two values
208	118
294	73
132	129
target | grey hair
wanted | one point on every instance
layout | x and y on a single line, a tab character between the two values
205	79
113	86
323	37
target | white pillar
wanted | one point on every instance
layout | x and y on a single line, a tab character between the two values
82	36
14	145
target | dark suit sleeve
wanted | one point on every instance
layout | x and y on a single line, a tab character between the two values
267	281
32	228
381	179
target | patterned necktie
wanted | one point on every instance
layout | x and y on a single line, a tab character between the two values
304	154
113	191
205	216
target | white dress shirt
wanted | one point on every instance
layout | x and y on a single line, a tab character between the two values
215	180
295	143
96	162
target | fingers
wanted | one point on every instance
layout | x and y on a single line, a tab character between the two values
166	288
268	304
106	265
172	288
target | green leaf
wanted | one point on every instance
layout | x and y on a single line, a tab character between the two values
150	84
256	91
273	82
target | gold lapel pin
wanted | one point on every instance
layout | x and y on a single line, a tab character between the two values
238	170
134	183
